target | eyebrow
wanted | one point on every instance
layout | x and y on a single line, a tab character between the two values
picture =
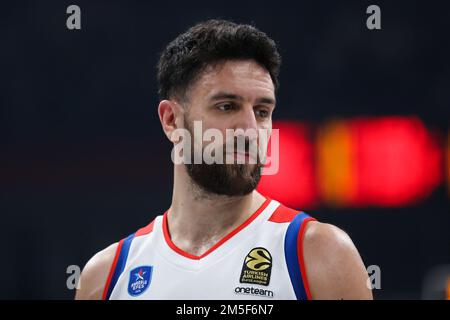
226	95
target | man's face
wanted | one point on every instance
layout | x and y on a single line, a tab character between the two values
236	94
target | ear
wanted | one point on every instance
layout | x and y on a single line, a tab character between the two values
170	114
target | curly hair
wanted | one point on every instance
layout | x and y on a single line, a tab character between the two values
210	43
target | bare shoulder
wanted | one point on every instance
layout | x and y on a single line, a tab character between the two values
95	274
334	266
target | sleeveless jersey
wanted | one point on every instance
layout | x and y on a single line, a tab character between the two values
260	259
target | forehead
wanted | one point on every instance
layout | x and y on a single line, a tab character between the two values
243	77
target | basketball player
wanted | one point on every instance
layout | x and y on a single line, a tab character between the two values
220	238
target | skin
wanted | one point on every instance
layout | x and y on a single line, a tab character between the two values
334	267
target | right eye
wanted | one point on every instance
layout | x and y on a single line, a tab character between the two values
225	107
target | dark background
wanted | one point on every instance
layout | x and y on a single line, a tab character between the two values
84	162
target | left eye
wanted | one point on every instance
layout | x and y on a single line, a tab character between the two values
262	113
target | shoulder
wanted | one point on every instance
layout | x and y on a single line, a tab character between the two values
95	274
325	236
334	267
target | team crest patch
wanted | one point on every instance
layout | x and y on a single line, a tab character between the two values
140	279
257	267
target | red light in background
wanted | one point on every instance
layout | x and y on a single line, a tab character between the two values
386	161
294	184
448	163
397	161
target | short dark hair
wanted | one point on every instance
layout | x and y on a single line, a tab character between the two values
209	43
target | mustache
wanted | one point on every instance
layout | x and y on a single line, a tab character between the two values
238	146
241	146
246	147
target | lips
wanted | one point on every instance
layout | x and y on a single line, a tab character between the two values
243	155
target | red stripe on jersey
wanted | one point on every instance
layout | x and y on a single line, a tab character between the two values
301	259
112	269
218	244
283	214
145	230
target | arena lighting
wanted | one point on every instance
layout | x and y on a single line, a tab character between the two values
448	163
335	163
294	184
448	289
398	162
384	161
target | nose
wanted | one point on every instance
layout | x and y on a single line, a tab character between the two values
246	119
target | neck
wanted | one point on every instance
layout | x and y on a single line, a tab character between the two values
198	220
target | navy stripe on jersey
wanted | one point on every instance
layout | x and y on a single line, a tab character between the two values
121	262
291	254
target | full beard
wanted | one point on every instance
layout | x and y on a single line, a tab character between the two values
224	179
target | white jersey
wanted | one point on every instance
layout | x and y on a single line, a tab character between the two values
261	259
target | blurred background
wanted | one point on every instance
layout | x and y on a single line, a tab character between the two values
363	118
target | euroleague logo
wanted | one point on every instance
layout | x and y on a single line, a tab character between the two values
257	267
140	279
